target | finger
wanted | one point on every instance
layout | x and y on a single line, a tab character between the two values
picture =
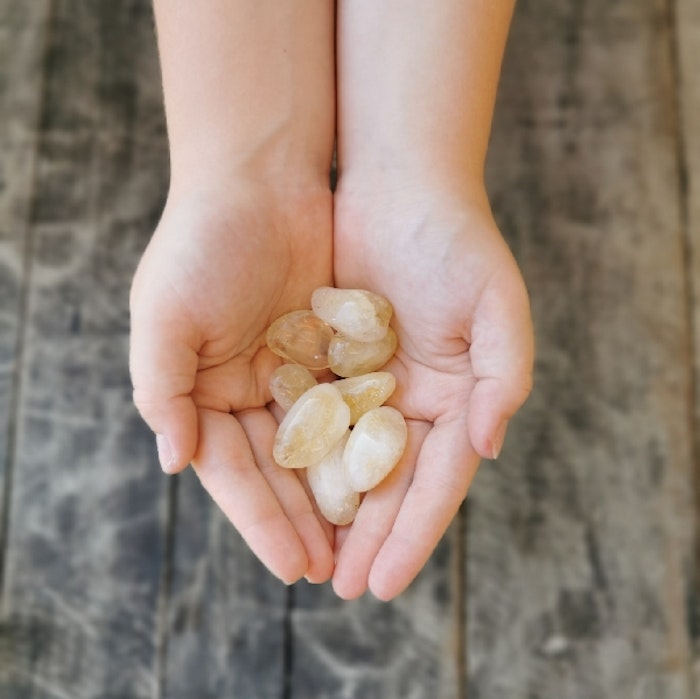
358	544
502	355
341	535
328	529
260	427
227	469
445	467
163	367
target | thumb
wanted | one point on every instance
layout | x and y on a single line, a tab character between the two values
163	366
502	356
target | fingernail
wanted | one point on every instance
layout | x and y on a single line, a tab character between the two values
165	453
498	439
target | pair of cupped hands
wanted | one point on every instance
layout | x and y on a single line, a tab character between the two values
230	256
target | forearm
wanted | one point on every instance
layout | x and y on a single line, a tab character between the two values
249	88
417	85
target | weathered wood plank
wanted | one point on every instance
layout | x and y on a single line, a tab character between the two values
688	53
226	619
579	538
22	38
86	529
408	648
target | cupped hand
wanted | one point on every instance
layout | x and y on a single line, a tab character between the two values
225	261
463	367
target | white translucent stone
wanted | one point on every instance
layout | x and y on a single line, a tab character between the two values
358	314
330	485
362	393
301	337
312	427
289	382
348	357
375	446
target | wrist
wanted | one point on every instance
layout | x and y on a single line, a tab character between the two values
222	170
282	165
410	153
412	187
249	88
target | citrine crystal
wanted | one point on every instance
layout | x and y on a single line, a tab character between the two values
362	393
289	382
315	433
301	337
358	314
349	357
330	485
375	446
312	427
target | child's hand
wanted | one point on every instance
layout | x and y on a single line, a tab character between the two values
463	367
225	261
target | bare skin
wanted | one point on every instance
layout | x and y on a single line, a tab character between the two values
246	236
416	88
250	229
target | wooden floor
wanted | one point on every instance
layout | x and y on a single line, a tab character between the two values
573	571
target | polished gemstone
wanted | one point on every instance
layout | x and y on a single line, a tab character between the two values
358	314
349	357
289	382
301	337
330	484
312	427
362	393
375	446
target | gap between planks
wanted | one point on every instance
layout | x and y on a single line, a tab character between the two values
684	175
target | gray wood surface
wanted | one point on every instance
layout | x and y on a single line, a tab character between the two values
22	39
85	540
687	48
408	648
580	537
573	570
227	617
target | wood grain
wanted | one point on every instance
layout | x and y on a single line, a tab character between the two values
408	648
227	614
583	540
22	39
579	538
86	525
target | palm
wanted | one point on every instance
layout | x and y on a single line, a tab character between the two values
448	276
219	269
434	273
224	273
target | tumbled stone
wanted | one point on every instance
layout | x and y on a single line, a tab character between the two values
330	485
362	393
312	427
301	337
349	357
358	314
375	446
289	382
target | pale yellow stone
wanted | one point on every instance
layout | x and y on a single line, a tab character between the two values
356	313
301	337
330	485
375	446
289	382
352	358
362	393
312	427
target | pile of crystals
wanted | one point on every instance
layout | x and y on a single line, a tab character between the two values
341	431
